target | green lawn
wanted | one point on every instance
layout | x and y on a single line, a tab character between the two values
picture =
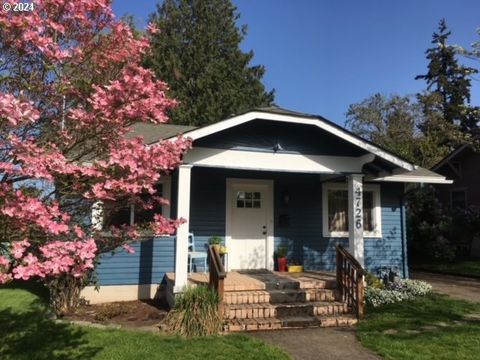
25	333
462	267
434	327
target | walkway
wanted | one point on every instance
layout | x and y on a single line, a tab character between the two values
456	286
318	343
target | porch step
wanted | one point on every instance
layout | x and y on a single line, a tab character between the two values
281	283
284	310
280	296
259	324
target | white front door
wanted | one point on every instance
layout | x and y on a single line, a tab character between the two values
249	224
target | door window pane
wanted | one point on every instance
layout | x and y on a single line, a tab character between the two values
248	199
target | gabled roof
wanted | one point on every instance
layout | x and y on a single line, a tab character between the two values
405	171
153	133
451	156
284	115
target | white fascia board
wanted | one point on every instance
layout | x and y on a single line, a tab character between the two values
251	160
413	179
238	120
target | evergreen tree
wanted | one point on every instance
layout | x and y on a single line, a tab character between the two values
196	51
448	82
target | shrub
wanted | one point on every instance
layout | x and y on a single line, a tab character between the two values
373	281
195	313
415	287
378	297
439	234
398	291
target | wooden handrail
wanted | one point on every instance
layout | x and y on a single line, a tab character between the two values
217	275
351	281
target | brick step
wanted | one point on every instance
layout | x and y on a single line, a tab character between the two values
287	284
288	323
280	296
267	310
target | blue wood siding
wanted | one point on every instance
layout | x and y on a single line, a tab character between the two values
148	265
300	230
303	236
388	251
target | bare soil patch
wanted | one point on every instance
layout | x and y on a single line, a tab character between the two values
133	314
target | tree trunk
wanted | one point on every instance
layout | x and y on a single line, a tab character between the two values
65	293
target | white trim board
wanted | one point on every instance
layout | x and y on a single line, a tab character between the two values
412	179
251	160
341	133
269	242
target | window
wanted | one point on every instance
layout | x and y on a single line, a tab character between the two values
458	199
130	215
335	210
246	199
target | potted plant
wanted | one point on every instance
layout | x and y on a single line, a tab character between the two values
295	266
216	242
282	258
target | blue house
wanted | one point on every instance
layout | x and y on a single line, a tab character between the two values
267	178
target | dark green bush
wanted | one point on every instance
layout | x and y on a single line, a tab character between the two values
436	233
428	226
195	313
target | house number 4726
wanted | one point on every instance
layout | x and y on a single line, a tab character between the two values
358	207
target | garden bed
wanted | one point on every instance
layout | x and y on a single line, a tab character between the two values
130	314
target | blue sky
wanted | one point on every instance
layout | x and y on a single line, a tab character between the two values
323	55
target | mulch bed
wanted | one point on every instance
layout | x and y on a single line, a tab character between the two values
133	314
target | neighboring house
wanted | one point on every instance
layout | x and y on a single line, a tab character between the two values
463	167
266	178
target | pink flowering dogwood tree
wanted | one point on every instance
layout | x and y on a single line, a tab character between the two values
71	86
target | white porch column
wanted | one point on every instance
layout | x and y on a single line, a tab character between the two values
355	217
183	211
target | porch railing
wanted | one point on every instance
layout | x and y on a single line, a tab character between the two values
351	281
217	274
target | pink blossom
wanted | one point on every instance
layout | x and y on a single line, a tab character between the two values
152	28
128	248
19	247
4	278
4	262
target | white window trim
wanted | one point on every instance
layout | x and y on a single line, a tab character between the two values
377	213
166	182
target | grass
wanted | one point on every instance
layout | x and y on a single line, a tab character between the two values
433	327
461	267
26	333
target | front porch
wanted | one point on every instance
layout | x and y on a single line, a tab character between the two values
253	300
263	280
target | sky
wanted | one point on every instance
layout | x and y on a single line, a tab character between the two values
323	55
